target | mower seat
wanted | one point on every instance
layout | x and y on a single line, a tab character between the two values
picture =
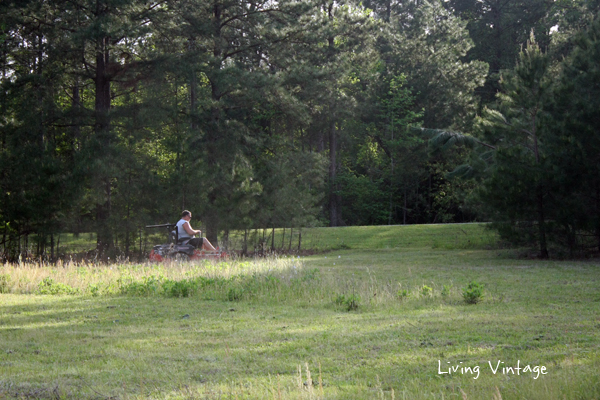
179	241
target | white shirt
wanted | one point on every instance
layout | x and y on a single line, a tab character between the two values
181	233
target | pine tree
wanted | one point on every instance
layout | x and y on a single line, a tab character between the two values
517	185
500	28
233	46
340	45
421	49
575	142
38	176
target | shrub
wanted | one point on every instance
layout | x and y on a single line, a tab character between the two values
94	289
4	283
402	294
49	286
183	288
341	246
149	286
235	294
446	290
426	291
473	293
351	302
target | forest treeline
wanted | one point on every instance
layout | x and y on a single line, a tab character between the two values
256	114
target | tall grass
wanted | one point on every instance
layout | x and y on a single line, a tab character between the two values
272	279
97	279
369	324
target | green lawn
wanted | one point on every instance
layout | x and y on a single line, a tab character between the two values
122	334
449	236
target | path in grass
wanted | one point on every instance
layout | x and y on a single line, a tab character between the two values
129	347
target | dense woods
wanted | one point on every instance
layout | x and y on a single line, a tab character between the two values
115	114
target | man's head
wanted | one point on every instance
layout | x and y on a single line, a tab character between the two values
186	215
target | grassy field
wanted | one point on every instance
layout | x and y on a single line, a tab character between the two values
451	236
378	317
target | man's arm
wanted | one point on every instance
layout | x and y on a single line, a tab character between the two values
189	229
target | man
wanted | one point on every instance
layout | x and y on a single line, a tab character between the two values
185	231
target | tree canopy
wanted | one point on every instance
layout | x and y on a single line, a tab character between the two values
256	114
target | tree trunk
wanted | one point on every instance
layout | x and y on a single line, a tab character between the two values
273	240
4	242
193	123
77	110
127	235
540	194
211	217
333	198
334	216
404	210
429	199
102	131
598	215
193	128
388	10
145	243
542	225
212	231
225	242
141	253
256	239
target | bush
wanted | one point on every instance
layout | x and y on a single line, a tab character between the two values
446	290
473	293
235	294
402	294
183	288
4	283
426	291
49	286
148	287
94	290
351	303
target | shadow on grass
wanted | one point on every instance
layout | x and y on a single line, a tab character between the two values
128	346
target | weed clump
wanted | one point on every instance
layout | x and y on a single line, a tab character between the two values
148	286
235	294
291	283
402	294
426	291
4	283
182	288
49	286
350	302
446	290
473	293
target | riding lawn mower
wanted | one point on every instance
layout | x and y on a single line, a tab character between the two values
180	249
